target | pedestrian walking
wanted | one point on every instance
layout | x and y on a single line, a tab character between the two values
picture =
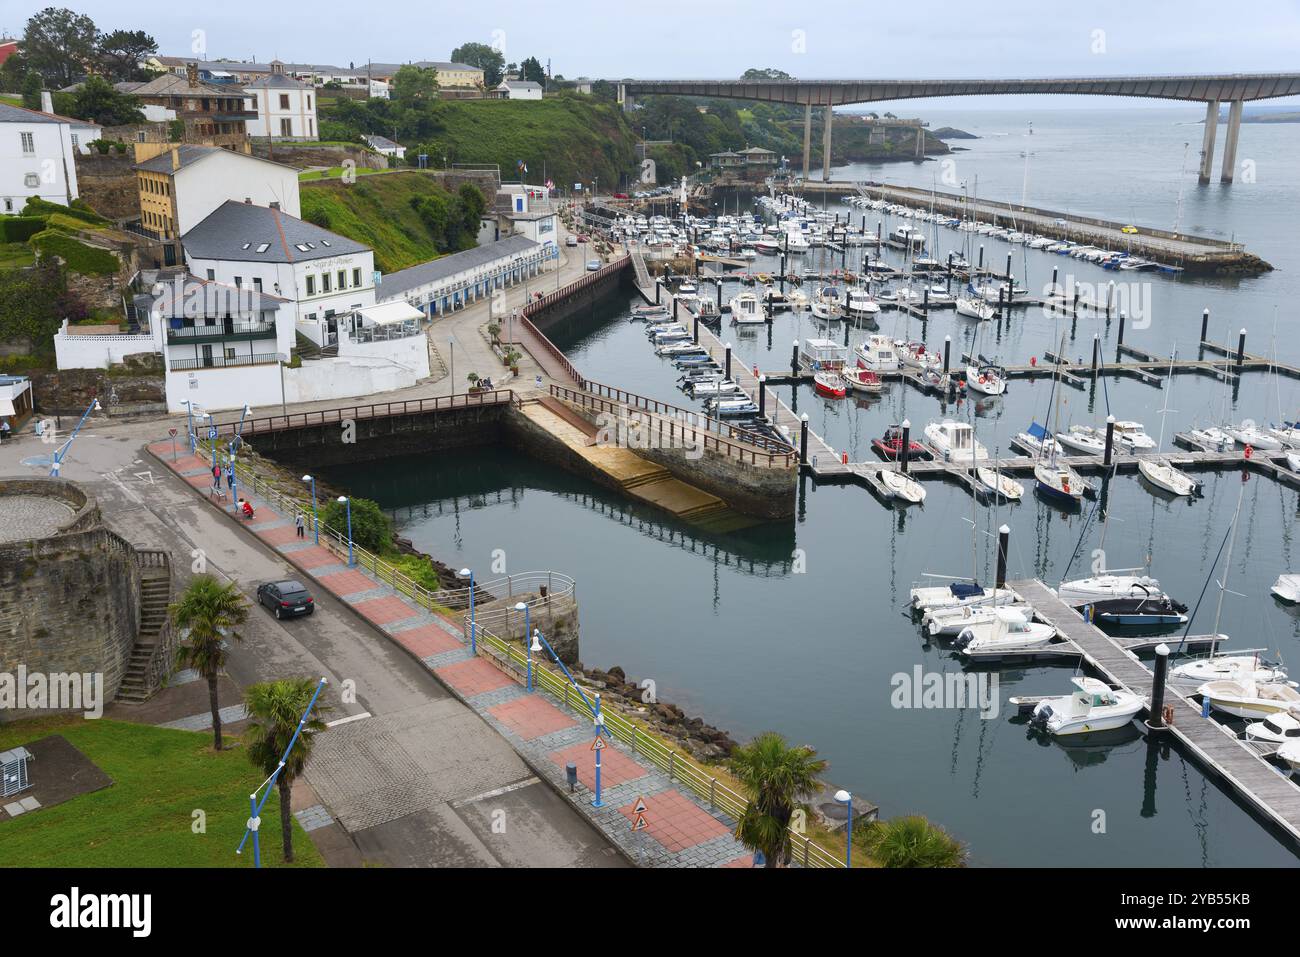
230	475
299	524
216	476
4	431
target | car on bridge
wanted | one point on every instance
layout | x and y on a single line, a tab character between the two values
1129	229
593	265
570	240
287	599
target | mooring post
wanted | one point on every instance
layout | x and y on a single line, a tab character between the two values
762	395
879	232
1110	298
905	446
783	269
695	334
1004	536
1096	352
1205	324
1241	348
803	438
794	358
1001	293
1156	719
718	286
1008	269
925	301
1119	341
1056	291
950	267
658	282
947	351
980	265
1110	439
727	374
676	302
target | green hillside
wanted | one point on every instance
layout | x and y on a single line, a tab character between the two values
378	211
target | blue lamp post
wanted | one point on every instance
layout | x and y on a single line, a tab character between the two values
469	573
528	631
189	424
534	646
315	515
56	462
598	722
845	798
344	500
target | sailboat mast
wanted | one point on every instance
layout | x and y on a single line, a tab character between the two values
1227	561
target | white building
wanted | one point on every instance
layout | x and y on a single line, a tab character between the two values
453	282
36	158
526	210
519	90
321	275
286	108
382	144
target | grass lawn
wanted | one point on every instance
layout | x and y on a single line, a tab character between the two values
334	172
144	818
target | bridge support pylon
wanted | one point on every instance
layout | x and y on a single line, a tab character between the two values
1207	142
807	138
826	144
1230	142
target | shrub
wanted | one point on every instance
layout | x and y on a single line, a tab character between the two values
102	147
371	528
418	569
80	258
19	229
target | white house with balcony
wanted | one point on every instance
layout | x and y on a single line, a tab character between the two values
286	108
37	158
455	281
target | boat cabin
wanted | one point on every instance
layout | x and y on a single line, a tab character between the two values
823	355
1093	693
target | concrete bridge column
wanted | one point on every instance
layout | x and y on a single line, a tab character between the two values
826	144
920	144
807	138
1230	142
1207	144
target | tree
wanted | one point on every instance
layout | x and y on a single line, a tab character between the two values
32	87
531	69
275	709
371	528
912	841
778	779
767	73
121	52
414	86
485	57
99	102
208	612
59	44
32	303
473	205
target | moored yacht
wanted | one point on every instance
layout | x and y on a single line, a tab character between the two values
877	354
955	442
1250	699
1094	706
1010	631
747	308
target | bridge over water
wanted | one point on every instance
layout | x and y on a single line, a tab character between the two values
1235	89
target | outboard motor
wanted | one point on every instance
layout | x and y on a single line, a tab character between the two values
1041	715
963	639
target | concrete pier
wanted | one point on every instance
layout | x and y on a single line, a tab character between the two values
828	121
1230	142
1207	142
807	138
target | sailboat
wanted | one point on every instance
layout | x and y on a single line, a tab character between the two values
1054	479
1160	472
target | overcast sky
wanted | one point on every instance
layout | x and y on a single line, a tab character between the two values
721	38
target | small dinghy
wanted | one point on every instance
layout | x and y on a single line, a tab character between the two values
1193	673
1250	699
889	445
1009	630
901	487
1095	706
830	384
1287	589
863	380
999	484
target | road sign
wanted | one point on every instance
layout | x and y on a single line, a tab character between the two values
640	806
212	432
172	433
640	824
598	744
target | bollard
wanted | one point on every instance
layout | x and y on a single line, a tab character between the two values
1119	341
947	350
1241	348
980	264
1002	290
1156	718
1008	268
844	458
1096	352
1110	297
676	303
905	446
1110	439
762	394
803	438
794	358
696	330
1004	536
727	374
1205	324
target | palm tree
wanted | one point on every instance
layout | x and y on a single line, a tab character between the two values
779	779
275	708
912	841
206	614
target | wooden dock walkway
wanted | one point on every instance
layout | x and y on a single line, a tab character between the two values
1273	796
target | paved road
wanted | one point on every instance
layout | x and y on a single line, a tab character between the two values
423	779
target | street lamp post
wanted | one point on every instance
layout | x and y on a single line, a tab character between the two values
469	573
344	500
57	462
845	798
528	631
315	515
534	646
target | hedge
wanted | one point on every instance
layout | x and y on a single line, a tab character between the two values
19	229
79	210
79	257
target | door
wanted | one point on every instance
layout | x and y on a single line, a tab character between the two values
207	357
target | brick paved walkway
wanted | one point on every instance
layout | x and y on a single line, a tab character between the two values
682	831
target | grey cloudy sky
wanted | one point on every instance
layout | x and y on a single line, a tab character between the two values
721	38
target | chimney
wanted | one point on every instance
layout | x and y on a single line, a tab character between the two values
176	158
47	101
277	67
192	73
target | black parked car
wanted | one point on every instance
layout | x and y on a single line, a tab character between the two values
287	598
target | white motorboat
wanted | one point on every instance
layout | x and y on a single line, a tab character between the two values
1038	441
1083	438
931	597
973	307
1287	588
1249	699
1213	438
863	380
826	304
1058	481
914	355
747	308
1162	474
877	354
1247	433
999	484
830	385
901	486
1276	729
986	378
795	242
953	620
1293	461
859	306
1288	433
1132	437
1290	753
1193	673
955	442
1010	630
1095	706
1083	591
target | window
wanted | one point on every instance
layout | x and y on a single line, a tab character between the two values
32	180
257	283
311	285
286	127
324	282
74	141
284	101
9	205
343	279
309	101
239	282
29	145
230	353
356	277
211	275
139	136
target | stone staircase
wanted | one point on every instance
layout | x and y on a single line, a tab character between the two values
138	682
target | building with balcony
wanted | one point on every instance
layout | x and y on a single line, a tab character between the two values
286	107
453	282
213	114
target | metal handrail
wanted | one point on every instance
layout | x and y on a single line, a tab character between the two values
221	362
300	420
645	744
